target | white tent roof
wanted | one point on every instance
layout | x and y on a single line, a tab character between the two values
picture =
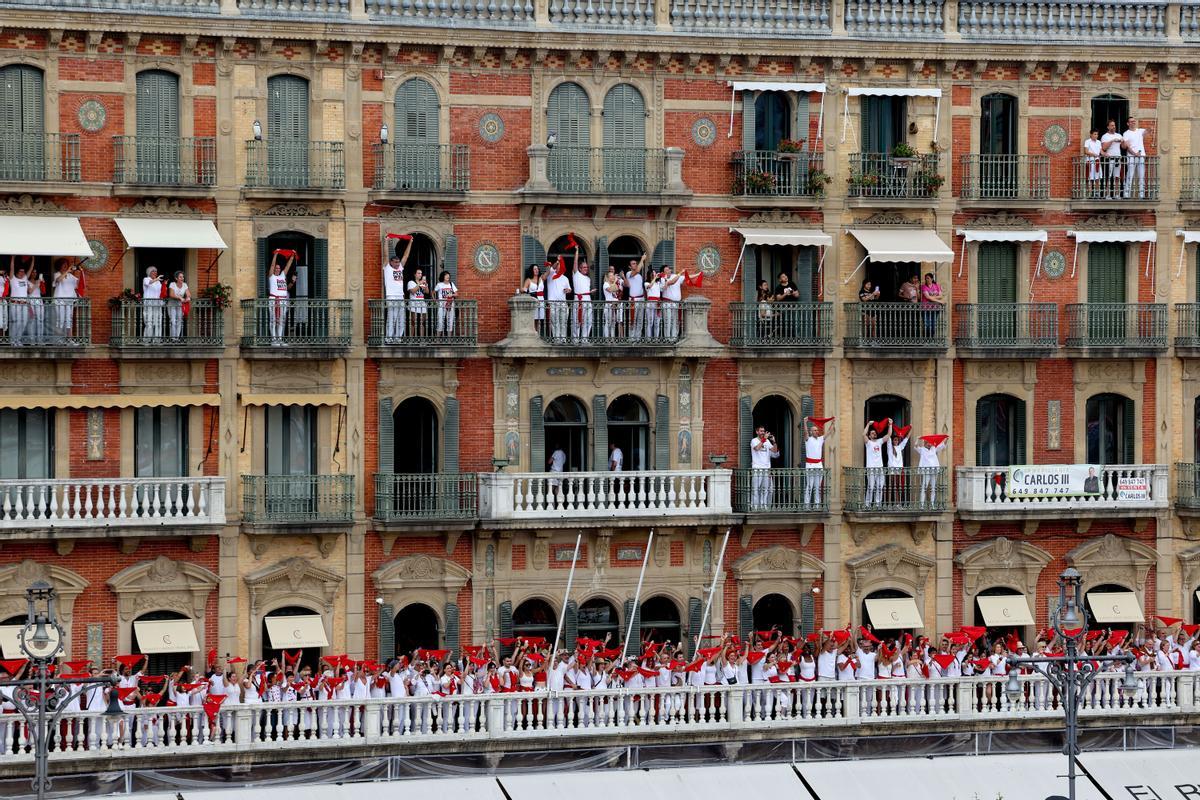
43	236
797	236
902	244
1114	236
989	235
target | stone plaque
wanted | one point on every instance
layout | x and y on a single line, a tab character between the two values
95	434
1053	424
708	259
95	642
487	258
629	554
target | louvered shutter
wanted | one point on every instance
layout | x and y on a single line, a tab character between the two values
387	632
750	280
624	139
746	618
505	623
663	254
1130	424
635	629
662	432
982	457
695	619
800	125
532	252
1018	424
570	625
997	272
417	138
450	261
808	614
601	258
749	119
23	120
600	432
157	127
1106	284
805	273
287	130
745	431
452	628
385	499
264	264
537	436
568	115
319	286
807	408
450	437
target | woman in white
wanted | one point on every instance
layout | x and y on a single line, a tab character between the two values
613	286
153	292
535	287
278	283
873	462
418	293
445	291
66	292
917	674
808	676
179	296
653	306
896	489
770	670
930	469
37	322
1095	172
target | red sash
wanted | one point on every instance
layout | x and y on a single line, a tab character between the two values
813	460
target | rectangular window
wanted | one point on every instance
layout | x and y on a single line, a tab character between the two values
26	443
161	442
291	440
884	123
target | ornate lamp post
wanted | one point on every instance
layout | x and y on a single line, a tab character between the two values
40	698
1067	673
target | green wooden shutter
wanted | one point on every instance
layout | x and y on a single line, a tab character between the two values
1131	427
570	625
749	119
264	263
452	628
805	273
417	137
568	114
997	272
385	436
22	117
695	619
874	122
634	630
450	437
505	623
1018	426
746	618
532	252
663	254
808	614
800	127
624	139
450	261
157	127
601	265
537	436
386	632
319	283
600	432
807	409
287	130
750	277
662	432
1106	273
981	455
745	431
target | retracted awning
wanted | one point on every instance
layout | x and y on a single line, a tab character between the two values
43	236
776	86
107	400
10	642
894	613
1005	610
986	235
180	234
1105	237
1115	607
300	631
902	244
1189	237
293	399
893	91
796	236
166	636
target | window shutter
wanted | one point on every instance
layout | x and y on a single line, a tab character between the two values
1131	427
1018	423
634	630
532	252
537	436
805	273
624	139
450	260
663	254
981	455
570	625
417	113
1106	273
320	269
695	618
450	437
287	130
600	432
750	279
808	614
662	432
386	436
452	628
745	430
997	273
387	632
800	128
264	262
808	409
568	114
601	258
157	140
748	119
746	618
505	624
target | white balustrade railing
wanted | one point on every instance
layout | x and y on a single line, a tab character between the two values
622	13
648	493
779	17
895	17
67	502
603	712
983	489
1108	20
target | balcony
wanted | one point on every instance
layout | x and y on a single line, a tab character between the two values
33	158
1187	487
99	507
303	328
1115	182
781	329
163	330
168	166
277	168
896	329
781	491
297	499
1004	179
54	328
419	329
1117	329
425	497
629	176
1189	184
772	178
879	176
1124	491
1006	329
422	171
1187	329
624	325
609	498
911	491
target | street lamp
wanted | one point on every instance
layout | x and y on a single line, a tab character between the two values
1068	673
41	699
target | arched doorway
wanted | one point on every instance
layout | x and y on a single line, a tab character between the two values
629	429
159	663
415	453
660	620
774	611
597	619
887	627
306	281
1134	616
423	256
310	656
559	248
566	428
998	632
622	251
535	618
775	414
416	626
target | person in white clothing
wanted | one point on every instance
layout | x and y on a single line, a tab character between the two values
1133	142
179	299
18	299
814	459
66	292
278	284
930	469
444	291
154	292
873	462
1110	145
670	308
653	306
612	288
418	306
393	294
762	449
37	306
557	464
1095	172
895	486
581	313
615	458
635	284
535	287
557	287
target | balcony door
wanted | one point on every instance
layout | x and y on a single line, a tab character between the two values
161	442
1108	107
416	134
415	456
22	123
158	127
884	123
566	426
997	291
775	414
26	444
774	612
1111	428
290	444
629	429
416	626
660	620
772	120
893	407
568	116
624	140
999	431
997	140
1106	291
287	131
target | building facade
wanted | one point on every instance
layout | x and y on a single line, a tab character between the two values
268	460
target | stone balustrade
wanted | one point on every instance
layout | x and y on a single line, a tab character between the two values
604	495
111	502
1105	20
982	489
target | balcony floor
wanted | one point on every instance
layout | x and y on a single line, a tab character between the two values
50	353
159	352
292	352
415	352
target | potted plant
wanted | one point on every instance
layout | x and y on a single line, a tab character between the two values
759	182
864	180
903	156
220	294
817	181
929	181
789	147
126	296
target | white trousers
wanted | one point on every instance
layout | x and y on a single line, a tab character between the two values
761	485
279	312
813	484
558	319
653	319
874	486
175	318
1135	166
64	316
670	321
929	482
581	320
152	319
395	319
637	323
445	318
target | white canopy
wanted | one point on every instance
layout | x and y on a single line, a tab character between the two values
182	234
1115	607
776	86
894	613
694	783
1144	773
1189	237
299	631
902	244
442	788
893	91
1149	235
10	642
796	236
1005	610
43	236
166	636
1001	235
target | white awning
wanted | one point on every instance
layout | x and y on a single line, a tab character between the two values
894	91
442	788
166	636
902	244
293	399
1189	237
1005	610
107	400
986	235
1115	607
693	783
180	234
894	613
10	643
796	236
776	86
43	236
1114	236
1146	773
301	631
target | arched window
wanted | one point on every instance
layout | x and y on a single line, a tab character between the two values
623	250
774	611
629	429
535	618
309	656
415	426
889	406
23	145
416	137
624	139
559	248
999	431
160	663
775	414
1108	107
158	128
287	131
597	619
996	631
660	620
885	625
566	425
772	120
568	117
416	626
1110	429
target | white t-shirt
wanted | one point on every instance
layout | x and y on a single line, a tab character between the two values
393	282
556	288
1092	147
874	452
654	290
177	291
18	287
896	453
616	459
929	455
761	453
673	289
445	291
558	460
1111	142
582	286
612	291
416	291
152	288
636	284
278	285
814	447
67	286
1136	140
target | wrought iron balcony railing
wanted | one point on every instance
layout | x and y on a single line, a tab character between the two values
1130	326
111	502
922	490
1006	326
159	161
308	322
422	168
879	175
619	323
781	491
45	322
792	326
159	324
769	173
423	323
988	176
1187	485
284	164
1187	324
297	498
895	326
1118	179
403	497
606	170
39	157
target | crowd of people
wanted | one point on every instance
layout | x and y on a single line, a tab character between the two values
412	308
36	309
925	295
889	485
1115	163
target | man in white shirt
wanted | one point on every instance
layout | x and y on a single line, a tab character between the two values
581	314
1133	141
636	283
814	459
557	286
557	464
66	292
18	298
672	295
278	284
154	290
393	294
873	462
762	449
1110	144
616	458
930	469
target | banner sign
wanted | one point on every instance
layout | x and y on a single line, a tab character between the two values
1058	480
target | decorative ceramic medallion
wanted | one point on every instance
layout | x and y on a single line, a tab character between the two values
1054	264
1055	138
99	256
487	258
704	132
491	127
708	259
92	115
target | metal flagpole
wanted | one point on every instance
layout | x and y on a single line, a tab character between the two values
637	597
566	597
713	588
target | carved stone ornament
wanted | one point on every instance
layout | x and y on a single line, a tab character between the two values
1113	559
775	217
1109	221
16	578
28	204
417	211
777	569
293	581
1002	562
161	207
889	567
162	585
421	571
1002	219
292	210
1189	560
889	218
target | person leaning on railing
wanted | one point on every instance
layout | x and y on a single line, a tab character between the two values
20	285
393	288
69	286
279	284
